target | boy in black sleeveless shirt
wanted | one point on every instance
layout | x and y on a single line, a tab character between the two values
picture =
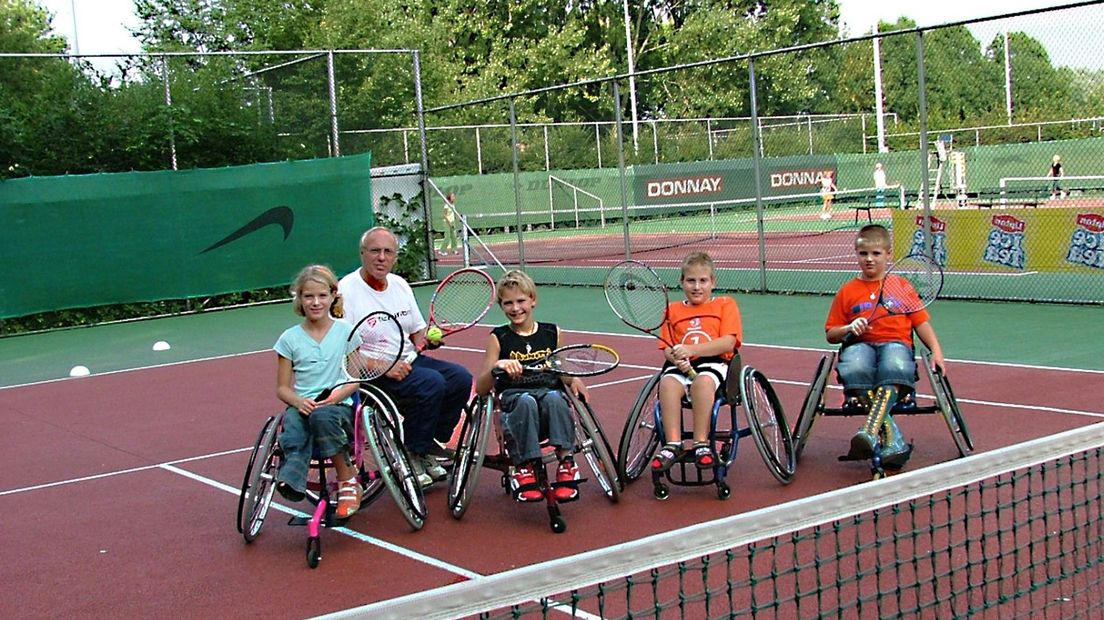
531	402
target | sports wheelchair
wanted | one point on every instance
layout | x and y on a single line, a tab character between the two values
483	412
380	459
746	388
945	405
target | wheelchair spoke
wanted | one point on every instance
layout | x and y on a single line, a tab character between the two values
259	482
768	425
640	437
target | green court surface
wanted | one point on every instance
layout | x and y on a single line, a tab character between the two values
1034	334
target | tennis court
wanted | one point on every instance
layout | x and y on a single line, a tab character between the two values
124	484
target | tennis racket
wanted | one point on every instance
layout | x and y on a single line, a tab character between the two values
578	360
371	350
638	297
910	285
460	301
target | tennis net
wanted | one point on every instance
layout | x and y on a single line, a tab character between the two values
596	230
1012	533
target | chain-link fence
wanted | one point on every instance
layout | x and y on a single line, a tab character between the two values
181	110
973	142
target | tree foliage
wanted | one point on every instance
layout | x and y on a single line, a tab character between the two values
58	116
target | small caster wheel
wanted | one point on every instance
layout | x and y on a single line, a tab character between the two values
559	526
723	491
314	552
661	491
878	474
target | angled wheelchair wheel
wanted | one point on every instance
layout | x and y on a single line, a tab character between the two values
813	403
259	482
640	437
384	436
948	406
469	455
768	425
595	448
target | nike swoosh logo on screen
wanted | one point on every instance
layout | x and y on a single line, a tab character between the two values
281	216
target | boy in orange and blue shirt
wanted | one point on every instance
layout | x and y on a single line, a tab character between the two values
877	359
706	331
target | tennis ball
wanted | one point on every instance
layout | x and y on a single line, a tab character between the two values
434	334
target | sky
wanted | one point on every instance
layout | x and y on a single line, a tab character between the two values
102	24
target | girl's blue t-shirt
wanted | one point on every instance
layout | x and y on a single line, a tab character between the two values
315	365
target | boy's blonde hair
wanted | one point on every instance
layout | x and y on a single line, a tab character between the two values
322	275
698	259
517	280
874	234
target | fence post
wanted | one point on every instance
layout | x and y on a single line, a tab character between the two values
757	156
333	104
922	101
517	184
431	255
168	104
621	168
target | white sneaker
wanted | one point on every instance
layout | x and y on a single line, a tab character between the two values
424	479
432	468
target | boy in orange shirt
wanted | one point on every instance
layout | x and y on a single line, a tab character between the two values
706	331
877	358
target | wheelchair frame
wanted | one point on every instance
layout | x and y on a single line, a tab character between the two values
378	454
945	405
482	413
745	388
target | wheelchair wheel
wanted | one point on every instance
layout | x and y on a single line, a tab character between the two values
768	425
948	406
640	437
469	455
595	447
259	482
385	441
814	402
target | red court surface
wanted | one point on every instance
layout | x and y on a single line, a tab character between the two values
120	490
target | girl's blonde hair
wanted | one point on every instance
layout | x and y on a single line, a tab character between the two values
322	275
698	259
517	280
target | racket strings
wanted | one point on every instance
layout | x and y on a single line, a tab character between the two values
462	300
373	349
912	284
638	297
588	360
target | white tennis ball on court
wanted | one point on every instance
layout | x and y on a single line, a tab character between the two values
161	345
79	371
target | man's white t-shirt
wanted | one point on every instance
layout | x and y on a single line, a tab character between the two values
360	300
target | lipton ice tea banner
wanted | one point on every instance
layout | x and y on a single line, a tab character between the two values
1021	240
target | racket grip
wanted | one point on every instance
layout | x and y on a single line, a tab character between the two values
323	395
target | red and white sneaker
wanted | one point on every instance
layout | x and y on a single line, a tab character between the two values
525	485
567	476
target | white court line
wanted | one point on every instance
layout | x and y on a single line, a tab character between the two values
414	555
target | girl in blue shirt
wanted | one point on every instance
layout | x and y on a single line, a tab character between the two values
309	360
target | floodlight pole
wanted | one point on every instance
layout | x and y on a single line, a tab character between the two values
879	104
632	78
76	40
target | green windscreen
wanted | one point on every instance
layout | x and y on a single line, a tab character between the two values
80	241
